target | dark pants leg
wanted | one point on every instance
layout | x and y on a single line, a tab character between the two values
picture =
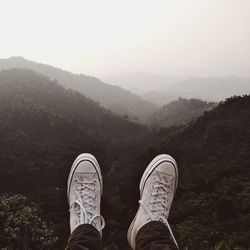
85	237
154	236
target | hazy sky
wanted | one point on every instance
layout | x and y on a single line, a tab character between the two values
100	37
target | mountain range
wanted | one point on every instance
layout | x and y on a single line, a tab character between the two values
211	89
142	82
211	209
162	89
44	126
117	99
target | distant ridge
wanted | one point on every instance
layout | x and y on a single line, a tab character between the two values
179	112
214	89
118	100
210	88
163	89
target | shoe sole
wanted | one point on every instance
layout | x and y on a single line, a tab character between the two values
150	168
84	157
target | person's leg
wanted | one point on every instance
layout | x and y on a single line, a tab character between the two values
85	237
84	197
150	229
155	236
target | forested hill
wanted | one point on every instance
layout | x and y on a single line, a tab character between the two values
118	100
24	92
179	112
222	133
212	206
43	127
42	123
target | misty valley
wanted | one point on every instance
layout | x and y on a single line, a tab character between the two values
49	116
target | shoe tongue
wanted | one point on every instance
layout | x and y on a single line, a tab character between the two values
162	177
165	179
83	178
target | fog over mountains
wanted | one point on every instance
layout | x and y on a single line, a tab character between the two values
162	89
125	81
117	99
137	94
154	92
211	88
142	82
44	126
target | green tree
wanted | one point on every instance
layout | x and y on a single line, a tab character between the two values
21	225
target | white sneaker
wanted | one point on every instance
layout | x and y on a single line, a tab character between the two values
84	192
157	189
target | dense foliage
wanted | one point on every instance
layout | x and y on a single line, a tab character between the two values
212	205
43	127
22	226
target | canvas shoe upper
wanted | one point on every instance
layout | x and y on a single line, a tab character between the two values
84	192
157	189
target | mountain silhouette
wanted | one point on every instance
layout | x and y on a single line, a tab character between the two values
118	100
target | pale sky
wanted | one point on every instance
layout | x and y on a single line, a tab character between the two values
101	37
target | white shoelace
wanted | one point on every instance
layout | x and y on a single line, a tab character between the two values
86	205
160	205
